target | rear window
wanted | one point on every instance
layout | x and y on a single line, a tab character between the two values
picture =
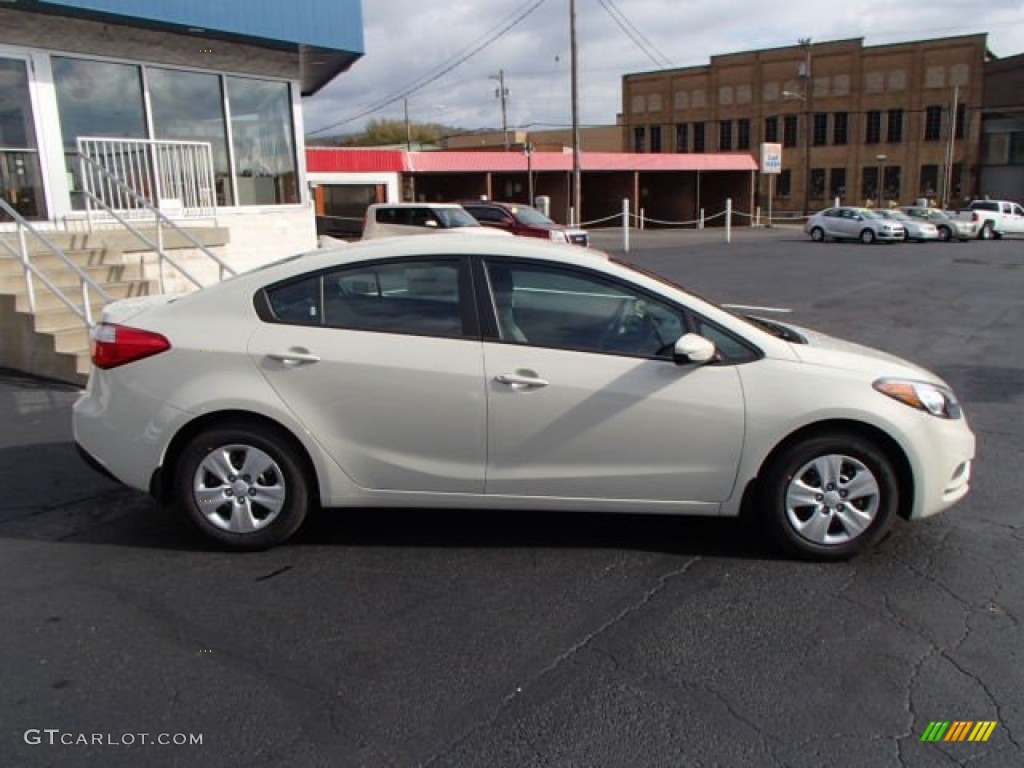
985	205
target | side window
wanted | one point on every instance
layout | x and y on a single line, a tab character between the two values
412	297
567	309
298	302
1018	211
490	215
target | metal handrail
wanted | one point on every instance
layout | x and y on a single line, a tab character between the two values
85	313
153	246
160	217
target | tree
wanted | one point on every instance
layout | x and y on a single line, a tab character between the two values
386	133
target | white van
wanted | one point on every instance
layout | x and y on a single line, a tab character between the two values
391	219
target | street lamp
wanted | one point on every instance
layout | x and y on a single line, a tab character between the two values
881	177
807	145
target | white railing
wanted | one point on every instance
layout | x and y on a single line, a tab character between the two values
138	202
84	312
174	176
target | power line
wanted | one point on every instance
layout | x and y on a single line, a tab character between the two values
444	68
634	34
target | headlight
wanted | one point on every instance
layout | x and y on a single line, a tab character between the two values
936	400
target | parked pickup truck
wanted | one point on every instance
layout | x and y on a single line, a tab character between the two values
994	218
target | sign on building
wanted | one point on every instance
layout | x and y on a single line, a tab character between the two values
771	158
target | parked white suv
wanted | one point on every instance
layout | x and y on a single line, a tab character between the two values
847	223
392	219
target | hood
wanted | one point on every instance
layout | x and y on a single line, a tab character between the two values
830	352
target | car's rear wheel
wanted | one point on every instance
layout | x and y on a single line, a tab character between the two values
818	235
829	497
987	231
945	234
867	236
242	486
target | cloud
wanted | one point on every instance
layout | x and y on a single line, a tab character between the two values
407	41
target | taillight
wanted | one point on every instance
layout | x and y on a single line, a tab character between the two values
114	345
974	216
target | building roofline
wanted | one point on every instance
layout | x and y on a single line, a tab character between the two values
717	57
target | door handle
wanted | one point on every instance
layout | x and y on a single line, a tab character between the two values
519	381
295	356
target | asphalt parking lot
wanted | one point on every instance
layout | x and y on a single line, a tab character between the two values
415	638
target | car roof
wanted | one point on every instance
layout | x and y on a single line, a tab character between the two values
415	205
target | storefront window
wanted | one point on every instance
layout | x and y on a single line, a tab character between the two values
188	106
96	98
20	179
264	147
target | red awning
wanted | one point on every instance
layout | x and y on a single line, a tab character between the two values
329	159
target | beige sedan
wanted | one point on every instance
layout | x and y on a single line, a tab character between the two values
498	373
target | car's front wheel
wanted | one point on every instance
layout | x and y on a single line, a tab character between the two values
242	486
829	497
867	237
945	235
818	235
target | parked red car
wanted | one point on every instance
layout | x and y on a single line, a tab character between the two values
525	221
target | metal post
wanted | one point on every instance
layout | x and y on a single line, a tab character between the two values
700	223
728	220
643	216
625	224
574	66
771	194
29	286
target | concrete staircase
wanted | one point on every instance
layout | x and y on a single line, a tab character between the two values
53	341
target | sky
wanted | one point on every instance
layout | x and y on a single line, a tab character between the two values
443	58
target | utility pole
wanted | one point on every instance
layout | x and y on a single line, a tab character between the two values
502	93
805	72
577	201
947	170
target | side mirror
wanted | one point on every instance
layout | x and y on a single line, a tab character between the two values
430	223
692	349
858	217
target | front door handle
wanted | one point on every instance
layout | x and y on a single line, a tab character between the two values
521	381
295	356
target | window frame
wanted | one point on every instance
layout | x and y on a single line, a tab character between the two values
468	304
691	319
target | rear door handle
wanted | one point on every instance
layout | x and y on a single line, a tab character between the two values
295	356
519	381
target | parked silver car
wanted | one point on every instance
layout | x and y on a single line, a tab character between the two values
913	229
948	226
849	223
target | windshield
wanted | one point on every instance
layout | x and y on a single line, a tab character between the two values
531	216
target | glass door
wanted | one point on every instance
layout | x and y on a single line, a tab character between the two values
21	179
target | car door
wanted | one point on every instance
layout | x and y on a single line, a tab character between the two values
585	402
383	364
1015	220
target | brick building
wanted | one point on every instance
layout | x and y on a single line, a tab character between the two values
846	115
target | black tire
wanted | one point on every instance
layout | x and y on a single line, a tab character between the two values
906	236
794	463
867	236
818	235
283	477
987	231
945	234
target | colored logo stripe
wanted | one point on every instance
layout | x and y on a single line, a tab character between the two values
958	730
982	731
935	731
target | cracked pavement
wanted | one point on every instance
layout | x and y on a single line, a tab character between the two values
433	638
